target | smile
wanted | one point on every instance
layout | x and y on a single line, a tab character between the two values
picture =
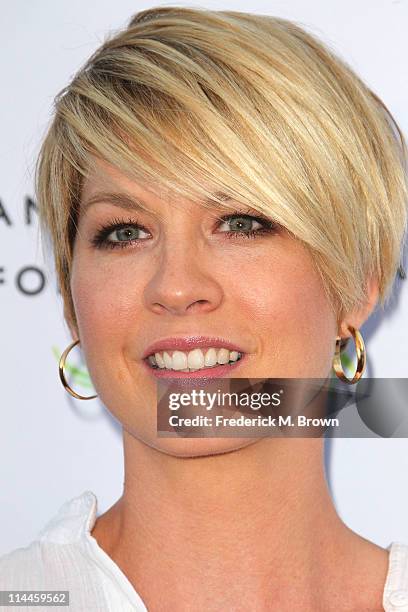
197	359
178	364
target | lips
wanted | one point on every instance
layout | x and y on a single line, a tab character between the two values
188	343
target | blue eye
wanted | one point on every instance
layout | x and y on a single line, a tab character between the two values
128	232
241	224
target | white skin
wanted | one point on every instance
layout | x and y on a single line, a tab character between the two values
223	523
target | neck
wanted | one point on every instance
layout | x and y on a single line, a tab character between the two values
238	527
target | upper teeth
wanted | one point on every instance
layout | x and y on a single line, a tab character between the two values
193	360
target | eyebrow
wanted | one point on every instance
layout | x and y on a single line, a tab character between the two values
123	200
117	199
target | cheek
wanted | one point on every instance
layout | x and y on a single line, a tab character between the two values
104	299
283	295
104	295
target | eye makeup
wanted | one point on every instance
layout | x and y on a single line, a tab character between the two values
101	238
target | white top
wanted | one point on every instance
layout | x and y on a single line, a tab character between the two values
65	556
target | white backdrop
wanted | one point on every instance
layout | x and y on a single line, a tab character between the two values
52	446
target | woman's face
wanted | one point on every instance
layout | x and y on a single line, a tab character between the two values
179	274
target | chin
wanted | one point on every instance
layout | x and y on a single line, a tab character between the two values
200	447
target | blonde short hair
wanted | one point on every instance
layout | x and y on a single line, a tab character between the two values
253	104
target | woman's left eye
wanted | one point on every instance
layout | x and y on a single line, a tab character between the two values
242	225
128	232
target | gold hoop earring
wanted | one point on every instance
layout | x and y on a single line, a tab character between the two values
361	357
62	375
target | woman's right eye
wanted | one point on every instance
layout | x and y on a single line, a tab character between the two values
118	234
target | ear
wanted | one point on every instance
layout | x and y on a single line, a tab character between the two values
71	325
358	316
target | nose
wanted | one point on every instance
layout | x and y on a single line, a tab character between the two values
183	281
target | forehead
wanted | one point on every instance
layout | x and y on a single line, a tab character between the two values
104	176
105	179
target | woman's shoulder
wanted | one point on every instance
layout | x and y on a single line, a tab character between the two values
66	557
54	557
396	586
17	563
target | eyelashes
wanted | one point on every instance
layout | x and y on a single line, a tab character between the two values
101	240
